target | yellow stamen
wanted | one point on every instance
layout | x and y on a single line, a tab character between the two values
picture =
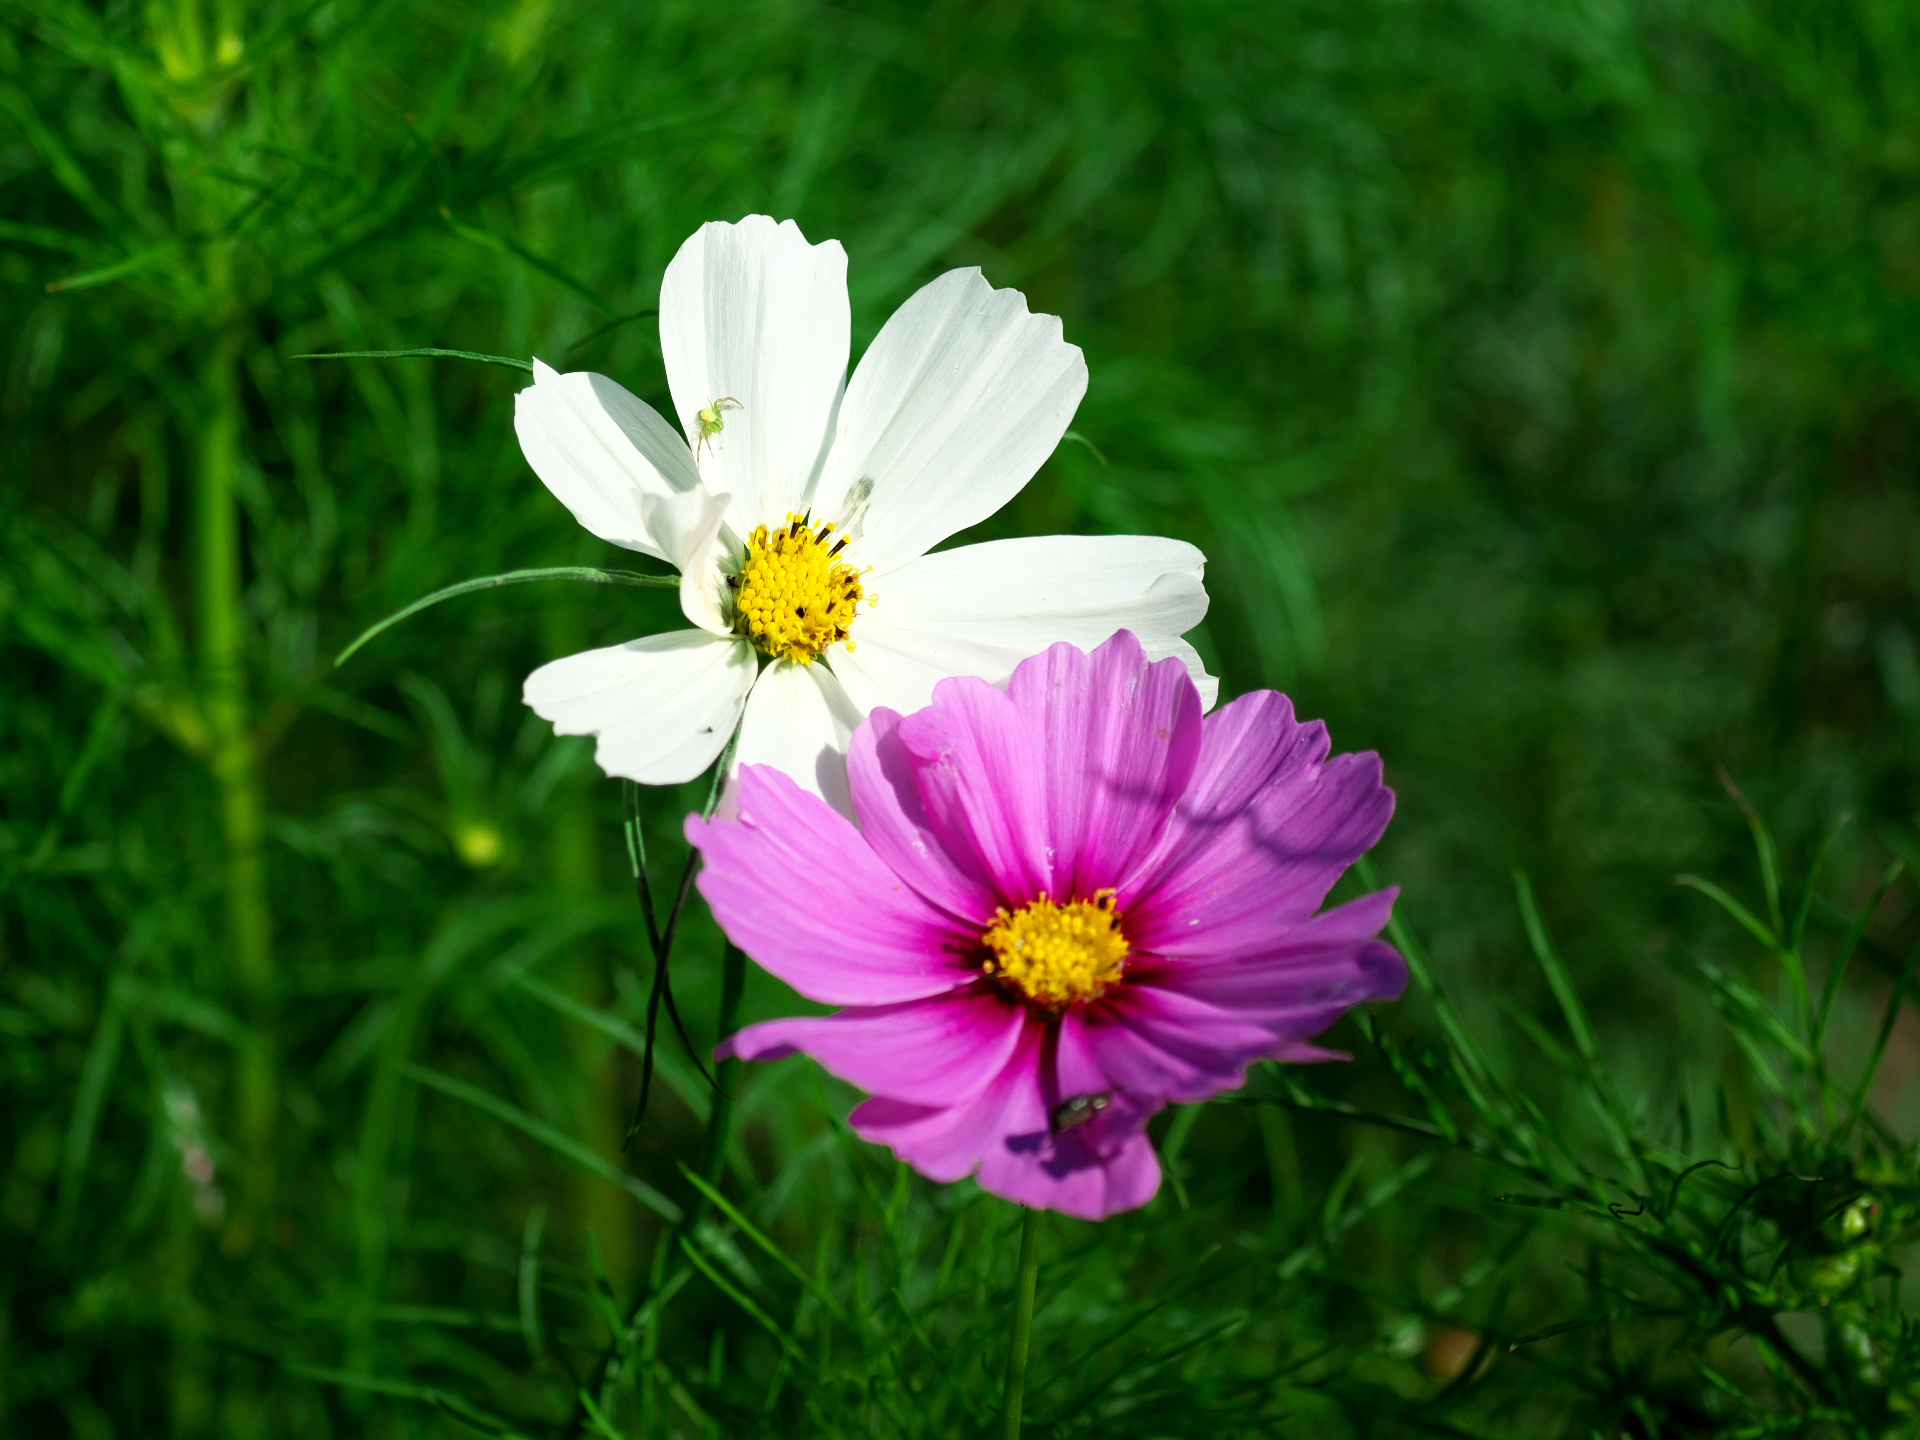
1055	955
794	598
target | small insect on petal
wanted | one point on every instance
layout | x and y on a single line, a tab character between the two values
710	422
1078	1110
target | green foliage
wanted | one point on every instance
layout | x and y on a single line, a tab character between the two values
1540	381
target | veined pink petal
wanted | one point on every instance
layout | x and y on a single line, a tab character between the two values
1244	862
982	780
886	795
1160	1043
1293	997
1246	748
1121	738
793	884
939	1051
1286	949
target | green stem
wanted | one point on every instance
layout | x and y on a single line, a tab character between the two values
1023	1288
230	739
232	755
713	1150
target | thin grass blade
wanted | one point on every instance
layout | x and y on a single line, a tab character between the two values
585	574
430	353
546	1134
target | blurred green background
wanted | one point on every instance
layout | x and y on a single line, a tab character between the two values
1540	380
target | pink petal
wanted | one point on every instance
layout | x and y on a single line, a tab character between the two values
1292	997
1003	1135
886	796
982	783
1121	738
1245	748
1300	1052
1268	826
793	884
1125	1180
1356	920
938	1051
947	1143
1160	1043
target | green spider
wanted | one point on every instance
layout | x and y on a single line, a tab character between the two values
710	422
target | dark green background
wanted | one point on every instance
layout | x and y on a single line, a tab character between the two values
1539	379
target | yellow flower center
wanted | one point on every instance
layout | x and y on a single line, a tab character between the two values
1055	955
793	597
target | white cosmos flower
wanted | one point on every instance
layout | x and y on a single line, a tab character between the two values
800	491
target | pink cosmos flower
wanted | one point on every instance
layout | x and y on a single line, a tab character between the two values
1067	903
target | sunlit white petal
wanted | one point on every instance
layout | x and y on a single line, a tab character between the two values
688	529
754	314
982	609
661	707
599	449
799	719
955	405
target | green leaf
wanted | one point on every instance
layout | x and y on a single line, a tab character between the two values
745	1302
529	1286
1894	1002
1813	877
44	236
693	1095
1741	1001
459	1407
96	1073
1734	908
1847	945
1606	1102
1407	1073
1470	1064
547	1135
1763	845
1079	439
507	246
752	1232
1311	1253
119	269
599	1419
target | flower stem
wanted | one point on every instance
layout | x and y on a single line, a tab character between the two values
733	982
1023	1288
232	755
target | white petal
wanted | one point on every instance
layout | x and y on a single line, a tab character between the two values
799	720
688	528
599	449
754	314
662	707
982	609
956	403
